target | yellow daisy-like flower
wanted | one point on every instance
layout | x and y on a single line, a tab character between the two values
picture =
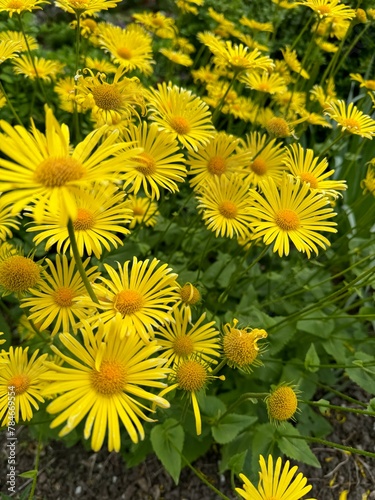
251	43
141	298
20	6
295	212
189	6
108	380
367	84
256	25
329	9
205	74
220	156
158	23
189	296
267	158
101	213
9	49
275	482
17	273
44	170
351	119
145	211
326	46
57	299
238	58
3	100
289	101
270	83
7	221
177	57
240	346
368	183
21	385
131	48
86	7
181	113
290	57
181	340
225	207
110	102
88	27
282	403
17	36
45	69
65	89
304	166
184	45
159	164
101	65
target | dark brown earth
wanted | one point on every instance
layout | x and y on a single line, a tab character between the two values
76	473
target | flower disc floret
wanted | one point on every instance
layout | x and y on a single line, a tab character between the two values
18	274
282	403
191	375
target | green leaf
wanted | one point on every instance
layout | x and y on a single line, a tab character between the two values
263	443
279	337
30	474
167	441
371	405
319	325
230	426
363	375
212	406
297	449
237	461
312	361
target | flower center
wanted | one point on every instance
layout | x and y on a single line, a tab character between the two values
310	178
15	4
370	84
183	346
264	87
107	96
18	273
190	294
20	383
287	220
85	220
240	346
228	209
56	172
90	24
138	211
128	302
259	166
216	165
324	10
282	403
124	53
180	125
278	127
63	296
238	62
351	124
110	379
191	375
146	164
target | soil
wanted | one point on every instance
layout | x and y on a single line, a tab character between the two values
76	473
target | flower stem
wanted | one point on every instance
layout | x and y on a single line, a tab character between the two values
36	467
240	400
222	100
342	59
79	264
14	112
340	408
325	151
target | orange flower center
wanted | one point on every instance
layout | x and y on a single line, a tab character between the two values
128	302
90	24
370	84
183	346
146	165
228	209
351	124
56	172
278	127
180	125
124	53
20	383
138	211
110	379
264	87
18	273
282	403
216	165
190	294
240	346
324	10
287	220
259	166
85	220
107	96
63	296
310	178
238	62
15	4
191	375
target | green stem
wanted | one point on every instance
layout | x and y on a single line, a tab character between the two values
240	400
331	444
204	253
351	47
219	366
14	112
222	100
340	408
78	261
335	141
75	107
341	395
302	32
36	467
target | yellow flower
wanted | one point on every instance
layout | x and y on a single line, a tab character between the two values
101	65
351	119
45	69
57	298
158	166
18	273
256	25
305	167
224	203
190	296
326	46
158	23
282	403
177	57
101	213
7	221
290	57
17	36
251	43
131	48
182	114
188	6
45	171
205	75
110	102
367	84
140	298
275	482
21	384
20	6
270	83
238	58
65	89
184	45
295	212
88	27
9	50
368	183
182	340
329	9
220	156
86	7
107	382
145	211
